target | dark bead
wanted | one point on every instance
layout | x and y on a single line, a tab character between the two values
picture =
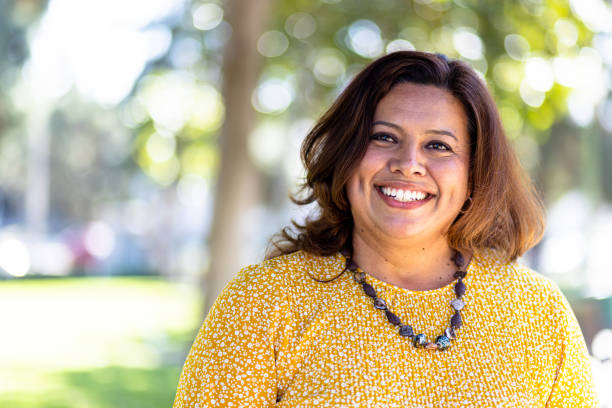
346	252
406	331
368	289
456	321
458	259
443	342
380	304
392	317
460	274
359	277
459	288
351	265
420	340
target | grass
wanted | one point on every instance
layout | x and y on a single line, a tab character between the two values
94	342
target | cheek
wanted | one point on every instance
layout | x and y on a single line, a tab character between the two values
363	173
454	175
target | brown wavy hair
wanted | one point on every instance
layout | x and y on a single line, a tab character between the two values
506	213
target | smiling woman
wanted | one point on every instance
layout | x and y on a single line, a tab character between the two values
412	181
403	290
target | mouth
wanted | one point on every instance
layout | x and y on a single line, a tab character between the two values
403	196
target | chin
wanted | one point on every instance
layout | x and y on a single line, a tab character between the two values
416	229
405	231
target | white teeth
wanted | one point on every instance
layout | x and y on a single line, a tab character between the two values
403	195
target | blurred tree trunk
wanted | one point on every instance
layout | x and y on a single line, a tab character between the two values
236	189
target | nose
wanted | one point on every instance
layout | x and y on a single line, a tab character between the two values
408	161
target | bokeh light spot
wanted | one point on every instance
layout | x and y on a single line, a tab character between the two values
596	14
272	44
160	146
539	74
467	43
602	344
274	95
566	32
512	120
207	109
580	107
507	74
329	67
364	39
99	239
516	46
530	96
14	257
164	173
400	45
207	16
300	25
267	144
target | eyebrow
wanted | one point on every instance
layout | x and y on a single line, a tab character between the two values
429	131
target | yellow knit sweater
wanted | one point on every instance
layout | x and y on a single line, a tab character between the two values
276	337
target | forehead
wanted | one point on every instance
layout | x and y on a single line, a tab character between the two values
422	104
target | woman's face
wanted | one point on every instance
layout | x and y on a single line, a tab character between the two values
413	179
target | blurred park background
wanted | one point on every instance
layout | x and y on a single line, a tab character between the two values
148	147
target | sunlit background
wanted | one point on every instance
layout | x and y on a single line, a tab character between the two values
110	116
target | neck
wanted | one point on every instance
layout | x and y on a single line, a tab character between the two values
420	266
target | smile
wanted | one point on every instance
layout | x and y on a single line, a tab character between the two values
403	196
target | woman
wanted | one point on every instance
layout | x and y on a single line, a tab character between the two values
404	289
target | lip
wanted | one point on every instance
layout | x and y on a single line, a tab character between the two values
407	205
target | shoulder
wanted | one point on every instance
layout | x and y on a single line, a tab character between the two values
513	276
283	276
303	268
520	288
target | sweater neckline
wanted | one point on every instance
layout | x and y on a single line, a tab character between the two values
394	289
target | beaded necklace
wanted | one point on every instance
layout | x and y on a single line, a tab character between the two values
443	341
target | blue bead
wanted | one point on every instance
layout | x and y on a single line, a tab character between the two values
443	342
420	340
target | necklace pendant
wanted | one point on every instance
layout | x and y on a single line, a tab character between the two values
392	318
380	304
359	277
406	331
458	259
443	342
457	304
450	333
459	288
368	289
456	321
420	340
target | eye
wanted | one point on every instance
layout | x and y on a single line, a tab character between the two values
437	145
383	137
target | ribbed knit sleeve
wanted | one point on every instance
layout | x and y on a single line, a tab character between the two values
573	384
232	361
